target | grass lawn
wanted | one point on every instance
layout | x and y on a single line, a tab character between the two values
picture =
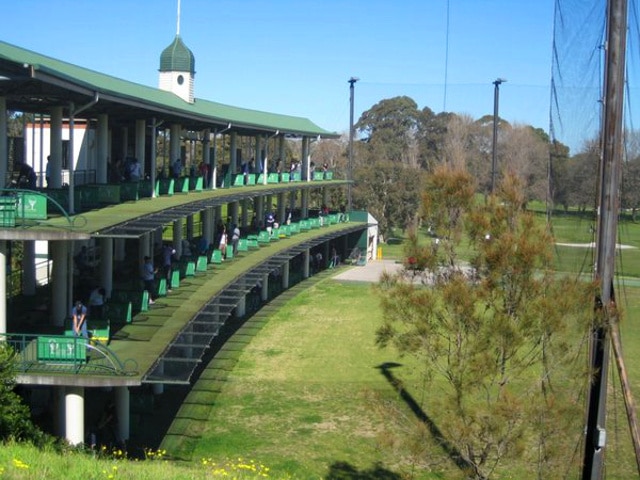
305	397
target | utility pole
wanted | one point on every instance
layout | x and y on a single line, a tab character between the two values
352	81
494	158
608	207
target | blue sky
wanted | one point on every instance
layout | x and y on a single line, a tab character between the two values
296	57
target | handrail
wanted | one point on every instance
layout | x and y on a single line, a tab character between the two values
65	354
17	191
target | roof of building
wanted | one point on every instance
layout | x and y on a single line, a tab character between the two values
177	58
34	83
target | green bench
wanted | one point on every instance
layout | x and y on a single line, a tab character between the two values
243	245
264	237
201	264
304	225
216	256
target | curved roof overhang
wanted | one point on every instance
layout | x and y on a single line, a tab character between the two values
35	83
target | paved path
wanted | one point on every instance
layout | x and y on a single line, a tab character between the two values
370	272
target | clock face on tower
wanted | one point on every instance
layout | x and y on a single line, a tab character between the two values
180	79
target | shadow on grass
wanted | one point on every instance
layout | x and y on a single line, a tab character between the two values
346	471
453	453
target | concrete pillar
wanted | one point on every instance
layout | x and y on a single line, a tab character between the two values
245	212
281	152
190	227
292	200
206	155
235	206
125	152
269	204
29	267
233	161
141	126
59	255
325	196
305	263
259	208
177	237
153	154
285	275
3	286
241	308
207	224
102	142
106	264
144	249
282	204
74	415
119	252
305	203
158	388
123	412
4	150
55	147
258	156
264	291
306	159
175	144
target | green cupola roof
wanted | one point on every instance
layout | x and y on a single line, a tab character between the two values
177	58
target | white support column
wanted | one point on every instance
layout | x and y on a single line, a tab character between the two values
241	308
123	413
158	388
29	267
207	224
177	238
305	159
153	154
4	151
264	291
281	208
145	248
119	253
141	126
74	415
259	208
55	147
214	163
269	204
106	264
245	212
59	272
258	156
3	286
125	143
235	206
206	156
305	263
175	144
233	162
190	227
285	275
305	203
102	141
281	151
